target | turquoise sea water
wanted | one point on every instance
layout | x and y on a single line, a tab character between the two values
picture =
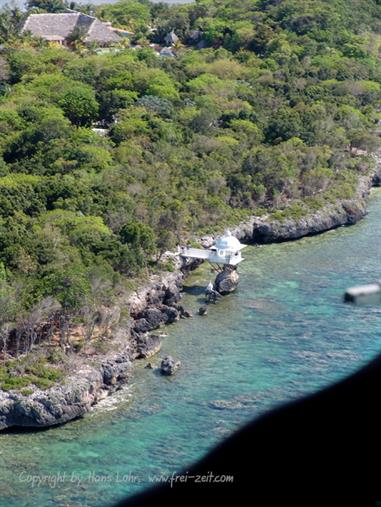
284	333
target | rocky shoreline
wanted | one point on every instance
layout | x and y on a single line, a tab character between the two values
263	230
151	307
155	305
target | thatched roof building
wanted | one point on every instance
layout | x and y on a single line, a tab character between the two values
59	27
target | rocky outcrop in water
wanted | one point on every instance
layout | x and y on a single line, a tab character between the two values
212	296
68	401
184	314
169	366
226	281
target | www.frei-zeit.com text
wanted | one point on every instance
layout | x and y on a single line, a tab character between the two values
54	480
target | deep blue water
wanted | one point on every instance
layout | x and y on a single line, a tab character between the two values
284	333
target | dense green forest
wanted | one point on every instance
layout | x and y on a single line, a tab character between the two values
261	109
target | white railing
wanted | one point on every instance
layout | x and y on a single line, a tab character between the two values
211	256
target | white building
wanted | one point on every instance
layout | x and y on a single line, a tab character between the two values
226	251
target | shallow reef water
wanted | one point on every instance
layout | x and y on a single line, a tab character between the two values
284	333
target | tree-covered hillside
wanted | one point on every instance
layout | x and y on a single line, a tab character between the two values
263	108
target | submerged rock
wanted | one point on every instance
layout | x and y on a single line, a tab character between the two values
226	281
225	405
169	365
203	310
211	295
236	403
184	314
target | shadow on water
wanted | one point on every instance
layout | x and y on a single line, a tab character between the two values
21	430
195	290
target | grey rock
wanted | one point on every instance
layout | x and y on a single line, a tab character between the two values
169	366
376	181
56	406
345	212
64	402
158	291
203	310
212	295
154	316
184	314
172	295
115	372
109	377
226	281
141	326
169	314
148	345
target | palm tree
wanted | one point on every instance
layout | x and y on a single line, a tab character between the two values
76	37
47	5
11	19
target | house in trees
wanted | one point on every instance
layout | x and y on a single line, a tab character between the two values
64	28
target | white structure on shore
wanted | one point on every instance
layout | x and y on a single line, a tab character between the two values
226	251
